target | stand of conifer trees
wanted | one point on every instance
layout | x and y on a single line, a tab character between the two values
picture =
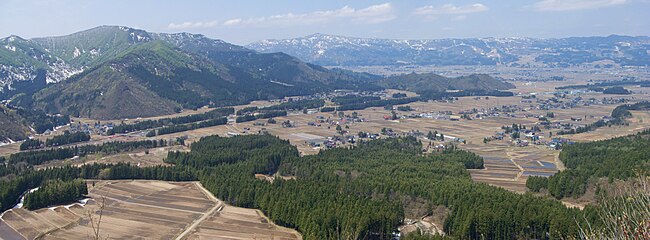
149	124
187	127
54	192
41	156
616	158
67	138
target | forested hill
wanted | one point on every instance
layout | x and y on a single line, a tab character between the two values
430	82
618	158
116	72
18	123
366	191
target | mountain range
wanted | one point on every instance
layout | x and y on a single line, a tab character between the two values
113	72
332	50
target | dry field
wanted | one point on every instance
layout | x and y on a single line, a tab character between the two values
240	223
144	210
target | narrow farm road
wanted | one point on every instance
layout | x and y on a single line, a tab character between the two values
217	207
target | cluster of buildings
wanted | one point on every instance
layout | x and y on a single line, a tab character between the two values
96	128
344	92
564	102
524	137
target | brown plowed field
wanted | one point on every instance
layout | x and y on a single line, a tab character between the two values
144	210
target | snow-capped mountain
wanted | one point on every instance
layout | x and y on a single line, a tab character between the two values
121	72
63	56
332	50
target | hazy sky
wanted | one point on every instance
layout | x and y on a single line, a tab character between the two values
242	22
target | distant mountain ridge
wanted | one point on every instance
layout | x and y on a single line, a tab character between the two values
113	72
333	50
429	82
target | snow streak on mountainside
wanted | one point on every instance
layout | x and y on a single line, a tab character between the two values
119	72
334	50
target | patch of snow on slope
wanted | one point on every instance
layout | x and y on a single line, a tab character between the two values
12	74
76	52
22	198
61	71
94	52
283	84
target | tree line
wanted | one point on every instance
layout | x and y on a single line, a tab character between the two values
262	115
353	99
359	103
31	143
149	124
41	156
11	190
67	138
186	127
376	103
54	192
293	105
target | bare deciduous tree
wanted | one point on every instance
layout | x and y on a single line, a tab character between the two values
95	218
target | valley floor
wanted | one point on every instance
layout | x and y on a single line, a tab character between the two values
506	165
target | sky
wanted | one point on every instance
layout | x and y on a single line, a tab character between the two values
243	22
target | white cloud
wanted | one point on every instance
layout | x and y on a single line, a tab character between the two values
189	25
568	5
369	15
230	22
450	9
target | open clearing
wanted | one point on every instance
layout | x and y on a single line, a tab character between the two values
144	210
